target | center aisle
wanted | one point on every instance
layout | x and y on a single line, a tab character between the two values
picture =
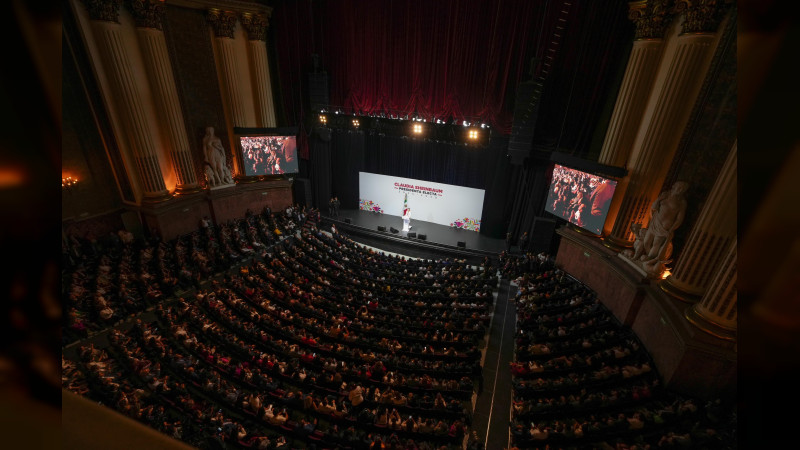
493	405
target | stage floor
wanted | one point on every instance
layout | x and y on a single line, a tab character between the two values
435	233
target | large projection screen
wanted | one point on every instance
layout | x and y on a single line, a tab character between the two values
444	204
269	155
579	197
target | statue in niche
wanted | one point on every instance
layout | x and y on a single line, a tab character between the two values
217	171
653	245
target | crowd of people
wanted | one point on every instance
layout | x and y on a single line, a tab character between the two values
106	280
267	332
315	340
582	380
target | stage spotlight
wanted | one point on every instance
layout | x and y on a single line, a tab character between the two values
417	129
466	124
356	123
323	119
473	134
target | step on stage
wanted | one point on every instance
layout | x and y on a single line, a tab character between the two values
424	240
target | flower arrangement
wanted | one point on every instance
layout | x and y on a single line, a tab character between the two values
369	205
467	224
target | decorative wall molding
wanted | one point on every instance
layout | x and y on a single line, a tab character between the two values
702	16
223	22
256	26
148	13
651	17
104	10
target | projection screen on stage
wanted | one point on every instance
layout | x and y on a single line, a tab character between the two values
444	204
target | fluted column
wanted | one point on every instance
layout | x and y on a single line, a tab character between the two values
256	26
717	311
115	56
658	137
223	23
709	240
651	21
149	15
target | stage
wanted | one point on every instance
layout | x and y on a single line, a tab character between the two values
439	240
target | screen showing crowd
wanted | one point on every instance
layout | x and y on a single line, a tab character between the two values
580	198
269	155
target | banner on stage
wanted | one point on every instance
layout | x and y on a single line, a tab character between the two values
444	204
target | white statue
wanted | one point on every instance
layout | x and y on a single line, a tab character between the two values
217	171
211	176
653	245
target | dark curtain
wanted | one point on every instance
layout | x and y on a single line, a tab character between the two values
319	169
449	59
347	160
440	162
496	207
527	200
584	77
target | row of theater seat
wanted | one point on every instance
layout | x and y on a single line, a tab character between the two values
108	280
240	325
582	380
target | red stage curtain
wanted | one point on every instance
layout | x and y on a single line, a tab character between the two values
444	59
449	59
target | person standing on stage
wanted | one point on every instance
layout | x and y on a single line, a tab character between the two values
336	204
330	207
406	214
523	242
508	241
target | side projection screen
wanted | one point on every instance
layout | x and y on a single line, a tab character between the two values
580	198
269	155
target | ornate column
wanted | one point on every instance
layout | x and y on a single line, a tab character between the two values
149	15
115	56
717	311
710	239
256	26
223	23
658	137
651	19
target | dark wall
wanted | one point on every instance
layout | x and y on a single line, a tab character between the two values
83	154
192	54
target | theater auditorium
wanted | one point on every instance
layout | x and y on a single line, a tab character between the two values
406	224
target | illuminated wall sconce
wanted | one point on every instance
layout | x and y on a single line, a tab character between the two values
67	183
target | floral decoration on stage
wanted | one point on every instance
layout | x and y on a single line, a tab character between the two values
467	224
369	205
